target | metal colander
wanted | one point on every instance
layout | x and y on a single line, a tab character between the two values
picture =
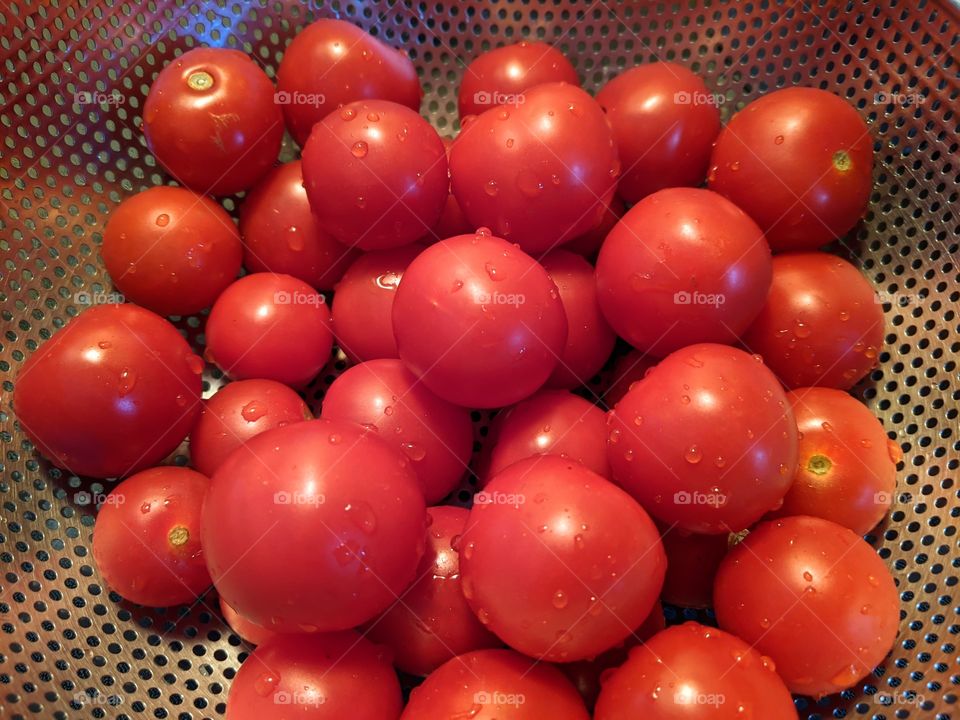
75	74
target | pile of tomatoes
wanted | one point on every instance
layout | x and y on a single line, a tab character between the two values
494	270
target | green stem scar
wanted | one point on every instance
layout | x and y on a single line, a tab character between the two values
202	80
178	536
842	160
819	464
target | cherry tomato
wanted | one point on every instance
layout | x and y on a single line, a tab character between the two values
589	243
664	122
692	562
812	155
236	413
375	174
316	677
500	76
248	631
559	562
281	235
211	121
628	369
146	541
479	321
341	507
682	266
385	397
848	465
694	671
538	174
706	440
821	603
115	391
269	326
331	63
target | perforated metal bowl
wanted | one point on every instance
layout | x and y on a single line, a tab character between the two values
74	78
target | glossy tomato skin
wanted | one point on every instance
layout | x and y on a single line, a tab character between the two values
236	413
113	392
272	327
316	677
706	440
281	235
825	608
664	121
500	76
211	121
559	562
627	370
384	397
812	154
694	671
589	243
479	321
692	562
683	266
538	174
340	503
146	541
376	175
248	631
822	323
332	63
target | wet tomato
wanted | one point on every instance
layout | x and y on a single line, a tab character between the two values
248	631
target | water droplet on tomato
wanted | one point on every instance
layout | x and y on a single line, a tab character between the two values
359	149
163	220
560	600
693	455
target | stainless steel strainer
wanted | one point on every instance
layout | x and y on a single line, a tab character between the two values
75	74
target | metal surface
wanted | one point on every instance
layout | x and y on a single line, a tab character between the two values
74	78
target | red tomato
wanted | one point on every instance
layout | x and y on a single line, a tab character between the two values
539	174
693	671
682	266
333	500
628	369
248	631
812	155
113	392
211	121
692	562
375	174
819	602
822	323
706	440
146	541
479	321
281	235
500	76
589	243
331	63
495	684
559	562
848	465
316	677
385	397
236	413
664	122
589	338
268	326
452	220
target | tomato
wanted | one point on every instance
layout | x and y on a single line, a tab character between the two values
281	235
589	338
692	562
822	323
146	541
821	603
694	671
331	63
376	175
342	508
628	369
682	266
558	562
706	440
452	220
316	677
589	243
495	684
114	391
500	76
538	174
269	326
248	631
363	303
848	465
664	122
385	397
211	121
479	321
236	413
812	155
